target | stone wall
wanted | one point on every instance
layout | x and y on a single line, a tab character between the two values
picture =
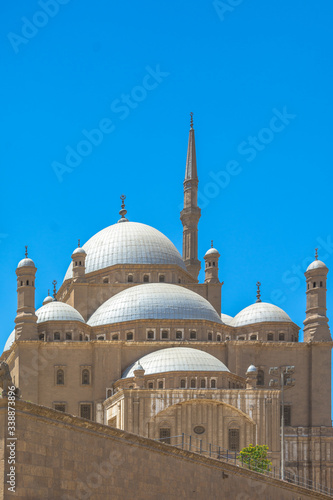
59	456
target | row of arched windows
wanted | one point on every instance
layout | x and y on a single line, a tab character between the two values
85	377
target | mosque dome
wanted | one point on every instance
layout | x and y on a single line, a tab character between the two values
48	299
10	341
316	264
26	263
174	359
211	251
226	319
79	251
129	243
251	369
58	311
260	312
154	301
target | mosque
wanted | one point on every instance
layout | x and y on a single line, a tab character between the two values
132	340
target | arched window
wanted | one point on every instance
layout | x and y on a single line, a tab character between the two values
150	335
233	436
213	383
109	393
80	263
86	338
179	334
68	336
281	336
241	338
253	337
321	284
76	263
105	280
202	383
261	377
210	336
165	334
193	383
213	264
60	377
218	337
21	283
56	336
165	434
146	278
115	336
193	335
85	377
314	284
129	336
81	337
27	282
130	278
270	336
161	278
151	385
100	337
183	383
160	384
41	336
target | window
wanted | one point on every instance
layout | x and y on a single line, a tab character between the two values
183	383
179	335
270	336
314	284
234	439
21	283
213	264
202	383
85	377
261	377
129	336
85	411
86	338
27	282
321	284
108	393
150	335
105	280
160	384
41	336
218	337
241	338
210	336
81	337
213	383
56	336
150	385
101	337
115	336
60	377
165	434
165	334
308	286
179	280
146	278
161	278
253	337
68	336
281	336
193	383
287	414
130	278
193	335
227	337
60	407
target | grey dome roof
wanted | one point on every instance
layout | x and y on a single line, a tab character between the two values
26	263
176	359
10	341
251	369
58	311
154	301
316	264
79	250
48	299
260	312
130	243
226	319
212	251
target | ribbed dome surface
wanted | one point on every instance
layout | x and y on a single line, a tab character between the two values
260	312
226	319
58	311
129	243
176	359
10	341
154	301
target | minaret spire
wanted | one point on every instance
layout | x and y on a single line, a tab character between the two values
190	214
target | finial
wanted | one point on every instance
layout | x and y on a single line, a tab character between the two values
258	291
211	243
123	211
191	122
48	292
78	243
26	251
316	254
54	283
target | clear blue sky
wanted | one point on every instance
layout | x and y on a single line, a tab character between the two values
135	70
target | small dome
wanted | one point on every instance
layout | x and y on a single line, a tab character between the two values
79	250
316	264
251	369
154	301
138	366
26	263
10	341
226	319
58	311
175	359
48	299
260	312
212	251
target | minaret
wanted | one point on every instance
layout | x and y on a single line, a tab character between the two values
26	319
316	322
212	265
190	214
79	262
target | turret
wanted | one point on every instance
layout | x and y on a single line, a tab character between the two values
316	322
212	265
190	214
26	319
79	261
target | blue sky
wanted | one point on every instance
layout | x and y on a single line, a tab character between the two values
122	77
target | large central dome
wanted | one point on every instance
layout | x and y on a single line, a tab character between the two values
129	243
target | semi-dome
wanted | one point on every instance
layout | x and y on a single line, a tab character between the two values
130	243
226	319
10	341
260	312
58	311
316	264
154	301
26	263
176	359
